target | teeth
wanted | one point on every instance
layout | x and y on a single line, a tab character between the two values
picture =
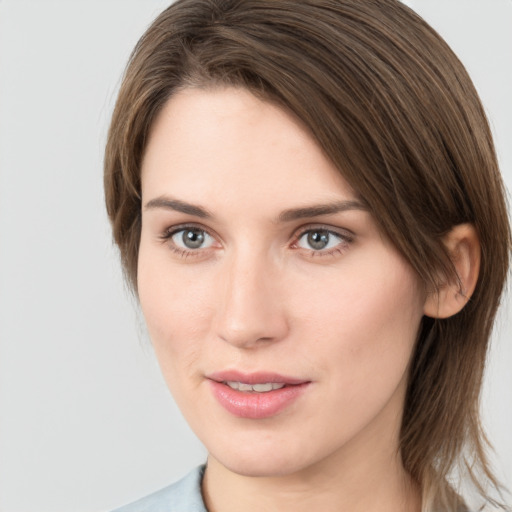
262	388
258	388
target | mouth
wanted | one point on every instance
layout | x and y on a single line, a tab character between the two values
255	395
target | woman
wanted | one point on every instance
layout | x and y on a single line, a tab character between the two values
308	206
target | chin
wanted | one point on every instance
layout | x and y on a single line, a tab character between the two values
258	461
258	468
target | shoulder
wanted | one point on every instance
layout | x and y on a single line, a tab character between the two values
182	496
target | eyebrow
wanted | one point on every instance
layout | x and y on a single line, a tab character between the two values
291	214
179	206
320	209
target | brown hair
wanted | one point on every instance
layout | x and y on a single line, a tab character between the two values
395	110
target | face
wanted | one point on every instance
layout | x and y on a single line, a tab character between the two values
282	319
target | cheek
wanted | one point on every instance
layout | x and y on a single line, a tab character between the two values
177	307
363	319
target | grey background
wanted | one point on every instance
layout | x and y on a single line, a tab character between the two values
86	422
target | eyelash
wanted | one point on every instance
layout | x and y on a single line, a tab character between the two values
166	237
345	237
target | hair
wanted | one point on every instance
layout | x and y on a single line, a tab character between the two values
396	112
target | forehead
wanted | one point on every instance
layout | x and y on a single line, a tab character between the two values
229	144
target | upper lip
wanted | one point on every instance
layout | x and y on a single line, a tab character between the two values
254	377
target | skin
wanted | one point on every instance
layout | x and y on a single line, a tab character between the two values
257	297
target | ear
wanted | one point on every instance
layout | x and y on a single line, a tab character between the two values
463	247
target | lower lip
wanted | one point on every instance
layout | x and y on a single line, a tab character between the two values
256	405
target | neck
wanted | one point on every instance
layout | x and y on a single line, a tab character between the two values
375	484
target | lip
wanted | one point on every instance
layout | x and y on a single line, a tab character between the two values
254	377
253	405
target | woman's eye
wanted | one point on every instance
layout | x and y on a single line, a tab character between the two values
319	240
192	238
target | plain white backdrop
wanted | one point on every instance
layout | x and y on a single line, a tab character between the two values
86	423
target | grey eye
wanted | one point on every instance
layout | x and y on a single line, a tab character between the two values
192	238
319	239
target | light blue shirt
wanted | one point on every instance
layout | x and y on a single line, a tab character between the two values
182	496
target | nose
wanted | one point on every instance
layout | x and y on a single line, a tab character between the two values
250	311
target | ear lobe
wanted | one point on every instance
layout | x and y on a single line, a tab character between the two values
463	246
